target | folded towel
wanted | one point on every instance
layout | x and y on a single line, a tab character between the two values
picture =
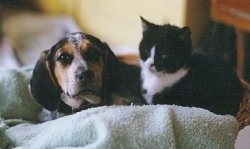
152	126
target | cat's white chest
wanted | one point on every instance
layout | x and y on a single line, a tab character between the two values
155	82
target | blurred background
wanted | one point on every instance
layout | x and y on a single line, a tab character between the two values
116	22
28	27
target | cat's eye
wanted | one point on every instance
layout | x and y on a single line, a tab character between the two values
65	58
164	56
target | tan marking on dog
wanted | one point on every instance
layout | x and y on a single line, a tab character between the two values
67	48
61	70
60	74
85	45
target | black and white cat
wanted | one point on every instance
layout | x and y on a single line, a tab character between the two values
172	74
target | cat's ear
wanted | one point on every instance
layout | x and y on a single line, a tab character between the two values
185	33
145	24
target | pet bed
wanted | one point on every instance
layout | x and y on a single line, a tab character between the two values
152	126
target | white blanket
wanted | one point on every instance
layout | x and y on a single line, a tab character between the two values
152	126
158	126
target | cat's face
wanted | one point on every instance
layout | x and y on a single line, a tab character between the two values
164	48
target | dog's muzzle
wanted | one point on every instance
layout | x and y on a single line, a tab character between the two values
84	98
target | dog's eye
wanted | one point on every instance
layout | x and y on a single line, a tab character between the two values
65	58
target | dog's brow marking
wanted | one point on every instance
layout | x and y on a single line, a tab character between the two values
75	39
85	45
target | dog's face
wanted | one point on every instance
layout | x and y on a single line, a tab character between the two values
74	69
78	67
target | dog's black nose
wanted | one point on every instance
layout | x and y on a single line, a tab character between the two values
85	76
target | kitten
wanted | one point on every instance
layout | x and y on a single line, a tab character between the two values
172	74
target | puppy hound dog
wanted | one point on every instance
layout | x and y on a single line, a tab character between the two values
80	72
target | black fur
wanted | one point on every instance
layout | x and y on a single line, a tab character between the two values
209	83
43	87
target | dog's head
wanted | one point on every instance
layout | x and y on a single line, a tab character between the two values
74	71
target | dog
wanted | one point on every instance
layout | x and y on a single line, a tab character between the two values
80	71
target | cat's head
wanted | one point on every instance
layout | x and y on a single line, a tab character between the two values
164	48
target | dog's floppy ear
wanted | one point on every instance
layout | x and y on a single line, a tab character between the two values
43	86
110	74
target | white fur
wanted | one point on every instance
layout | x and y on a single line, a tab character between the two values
72	83
154	82
75	39
150	61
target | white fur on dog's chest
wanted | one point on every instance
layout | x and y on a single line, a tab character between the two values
155	82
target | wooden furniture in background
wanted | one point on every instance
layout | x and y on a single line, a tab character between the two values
243	116
235	13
